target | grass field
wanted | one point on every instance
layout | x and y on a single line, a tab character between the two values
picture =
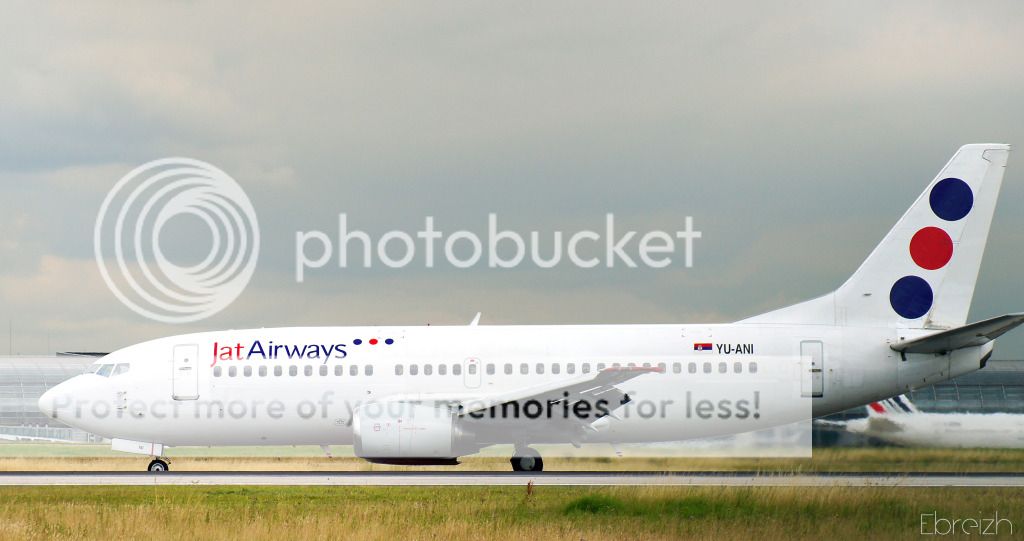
464	513
472	513
33	457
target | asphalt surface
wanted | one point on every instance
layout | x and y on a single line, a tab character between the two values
512	479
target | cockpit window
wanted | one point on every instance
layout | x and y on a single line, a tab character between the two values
105	370
121	369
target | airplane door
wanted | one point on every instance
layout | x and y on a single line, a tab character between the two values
185	383
812	362
471	373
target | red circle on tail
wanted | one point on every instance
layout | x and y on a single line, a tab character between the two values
931	248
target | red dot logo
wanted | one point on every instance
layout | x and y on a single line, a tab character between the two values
931	248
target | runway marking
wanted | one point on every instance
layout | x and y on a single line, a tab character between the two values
733	479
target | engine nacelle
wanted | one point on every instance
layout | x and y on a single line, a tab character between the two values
406	433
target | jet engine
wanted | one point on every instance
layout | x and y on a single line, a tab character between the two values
408	433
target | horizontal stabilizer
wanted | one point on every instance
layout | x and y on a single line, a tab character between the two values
975	334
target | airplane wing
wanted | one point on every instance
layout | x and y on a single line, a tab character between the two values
975	334
595	394
590	387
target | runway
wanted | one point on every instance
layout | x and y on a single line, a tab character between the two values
722	479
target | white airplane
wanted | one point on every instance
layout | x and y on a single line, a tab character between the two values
427	395
899	422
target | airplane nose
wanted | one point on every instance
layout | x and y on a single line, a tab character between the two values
48	403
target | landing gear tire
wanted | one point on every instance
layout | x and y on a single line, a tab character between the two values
158	466
527	460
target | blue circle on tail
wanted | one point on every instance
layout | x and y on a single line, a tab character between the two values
911	297
951	199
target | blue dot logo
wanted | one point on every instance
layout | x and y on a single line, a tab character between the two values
911	297
951	199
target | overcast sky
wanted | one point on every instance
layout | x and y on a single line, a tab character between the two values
795	134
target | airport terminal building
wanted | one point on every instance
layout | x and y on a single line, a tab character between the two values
23	379
999	387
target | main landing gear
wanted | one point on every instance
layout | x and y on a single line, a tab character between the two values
158	466
527	459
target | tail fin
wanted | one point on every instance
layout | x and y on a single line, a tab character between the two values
897	405
922	274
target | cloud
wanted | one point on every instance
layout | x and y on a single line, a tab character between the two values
795	133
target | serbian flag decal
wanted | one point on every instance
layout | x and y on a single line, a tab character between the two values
702	346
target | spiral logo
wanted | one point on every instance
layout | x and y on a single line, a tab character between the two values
129	228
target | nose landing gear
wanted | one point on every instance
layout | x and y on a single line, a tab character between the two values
527	459
158	466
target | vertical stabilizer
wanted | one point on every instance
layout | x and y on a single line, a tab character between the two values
922	274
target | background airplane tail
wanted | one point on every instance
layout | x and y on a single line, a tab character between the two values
897	405
922	274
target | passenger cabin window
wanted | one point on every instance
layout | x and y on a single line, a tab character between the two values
232	371
399	369
247	371
278	371
353	370
737	367
263	371
707	368
556	369
540	368
586	368
524	369
368	370
323	370
471	369
508	369
217	371
723	368
414	370
339	370
442	369
428	369
293	370
677	368
692	368
456	369
490	369
307	370
752	368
